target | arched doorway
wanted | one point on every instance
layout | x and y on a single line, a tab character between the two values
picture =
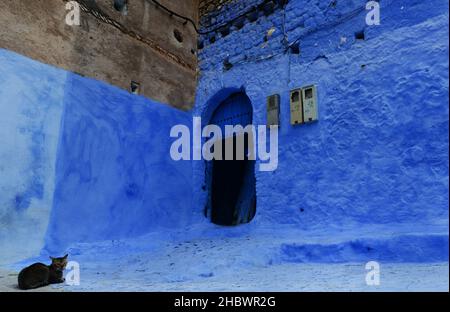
231	183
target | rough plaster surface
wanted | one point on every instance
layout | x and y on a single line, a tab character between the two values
87	159
114	175
30	114
379	153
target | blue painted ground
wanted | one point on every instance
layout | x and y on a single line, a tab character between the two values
211	258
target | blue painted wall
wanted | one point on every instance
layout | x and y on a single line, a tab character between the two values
82	161
114	176
379	154
30	112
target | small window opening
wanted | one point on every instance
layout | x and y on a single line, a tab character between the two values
227	65
360	35
135	87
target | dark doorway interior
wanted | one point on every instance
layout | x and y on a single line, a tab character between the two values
233	189
232	184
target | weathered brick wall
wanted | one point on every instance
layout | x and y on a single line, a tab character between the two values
255	29
271	28
96	49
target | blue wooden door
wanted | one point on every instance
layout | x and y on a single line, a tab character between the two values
232	184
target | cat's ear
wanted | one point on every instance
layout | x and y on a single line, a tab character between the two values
65	257
51	258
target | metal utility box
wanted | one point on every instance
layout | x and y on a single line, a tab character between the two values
296	107
273	110
309	99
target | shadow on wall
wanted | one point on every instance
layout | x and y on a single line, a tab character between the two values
114	174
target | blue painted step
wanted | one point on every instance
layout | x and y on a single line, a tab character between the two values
406	248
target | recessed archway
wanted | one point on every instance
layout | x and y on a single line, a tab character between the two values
231	184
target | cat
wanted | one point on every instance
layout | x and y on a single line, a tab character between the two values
40	275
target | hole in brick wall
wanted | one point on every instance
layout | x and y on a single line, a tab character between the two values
360	35
178	35
121	6
239	23
253	16
135	87
268	8
224	31
281	3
